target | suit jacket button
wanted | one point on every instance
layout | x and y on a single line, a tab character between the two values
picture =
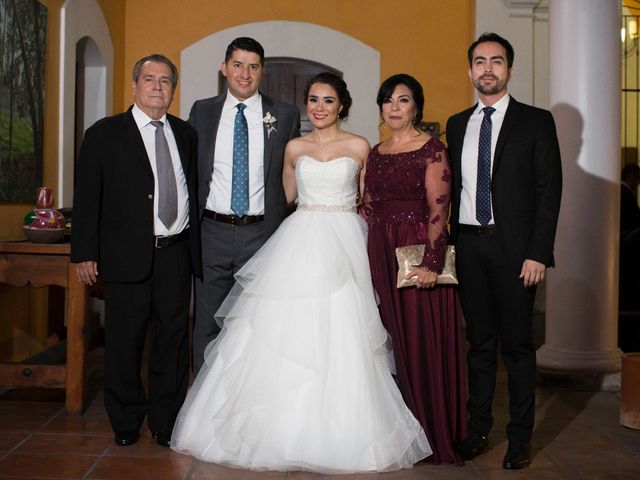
150	197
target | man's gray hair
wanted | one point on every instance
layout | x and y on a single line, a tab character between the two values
158	58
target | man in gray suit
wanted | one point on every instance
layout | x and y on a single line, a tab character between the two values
242	135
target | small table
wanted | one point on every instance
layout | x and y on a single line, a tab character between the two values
23	263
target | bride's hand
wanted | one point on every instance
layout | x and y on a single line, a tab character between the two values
426	278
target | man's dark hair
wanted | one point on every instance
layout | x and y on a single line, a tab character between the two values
247	44
492	37
335	82
158	58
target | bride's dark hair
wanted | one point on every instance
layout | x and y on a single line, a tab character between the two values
335	82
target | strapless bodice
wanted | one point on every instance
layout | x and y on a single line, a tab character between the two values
332	184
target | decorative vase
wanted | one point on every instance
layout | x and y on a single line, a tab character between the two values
44	224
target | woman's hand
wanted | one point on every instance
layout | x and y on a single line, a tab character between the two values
426	278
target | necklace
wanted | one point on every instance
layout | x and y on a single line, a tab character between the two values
315	140
321	146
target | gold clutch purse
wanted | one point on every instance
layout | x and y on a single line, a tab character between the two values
411	255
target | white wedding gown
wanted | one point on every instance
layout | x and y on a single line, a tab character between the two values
299	377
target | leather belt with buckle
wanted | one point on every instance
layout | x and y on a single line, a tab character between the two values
233	219
162	242
479	230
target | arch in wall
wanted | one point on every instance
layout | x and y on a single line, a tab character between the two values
360	64
90	98
83	31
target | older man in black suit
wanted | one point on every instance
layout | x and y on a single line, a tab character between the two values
242	135
135	223
505	161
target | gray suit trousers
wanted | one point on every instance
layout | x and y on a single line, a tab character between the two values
225	249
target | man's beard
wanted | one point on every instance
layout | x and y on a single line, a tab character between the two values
489	89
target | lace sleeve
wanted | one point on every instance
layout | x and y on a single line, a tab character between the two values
437	182
364	197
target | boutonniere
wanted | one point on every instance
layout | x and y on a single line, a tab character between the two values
269	123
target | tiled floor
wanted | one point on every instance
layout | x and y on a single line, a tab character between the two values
577	436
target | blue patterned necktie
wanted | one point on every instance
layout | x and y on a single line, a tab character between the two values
167	189
483	185
240	177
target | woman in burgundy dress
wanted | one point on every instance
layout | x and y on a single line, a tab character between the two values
407	188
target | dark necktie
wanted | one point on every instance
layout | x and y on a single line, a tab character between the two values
483	185
167	190
240	178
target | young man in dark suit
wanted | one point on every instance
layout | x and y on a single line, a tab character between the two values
507	182
135	223
241	140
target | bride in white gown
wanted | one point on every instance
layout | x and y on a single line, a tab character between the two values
300	376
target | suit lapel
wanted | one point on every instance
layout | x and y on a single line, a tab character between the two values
268	107
507	125
458	141
214	121
133	140
181	142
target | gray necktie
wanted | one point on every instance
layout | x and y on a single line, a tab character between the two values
167	191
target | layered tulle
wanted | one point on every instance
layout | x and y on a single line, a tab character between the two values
300	376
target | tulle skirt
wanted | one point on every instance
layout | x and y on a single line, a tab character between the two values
300	376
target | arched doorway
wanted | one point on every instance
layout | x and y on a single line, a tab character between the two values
358	63
84	39
91	79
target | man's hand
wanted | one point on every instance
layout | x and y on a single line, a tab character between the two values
87	272
532	272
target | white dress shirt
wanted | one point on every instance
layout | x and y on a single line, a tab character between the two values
470	158
148	133
219	199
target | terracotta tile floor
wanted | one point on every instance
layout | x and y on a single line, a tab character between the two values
577	436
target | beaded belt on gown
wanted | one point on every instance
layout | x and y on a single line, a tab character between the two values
315	207
397	211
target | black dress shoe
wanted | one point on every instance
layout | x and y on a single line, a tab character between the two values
126	439
518	455
472	446
162	438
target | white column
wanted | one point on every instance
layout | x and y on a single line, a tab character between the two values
584	95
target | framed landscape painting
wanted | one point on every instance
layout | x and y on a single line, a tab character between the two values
23	30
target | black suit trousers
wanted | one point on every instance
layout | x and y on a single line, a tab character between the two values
161	301
497	308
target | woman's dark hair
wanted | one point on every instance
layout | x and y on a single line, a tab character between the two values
335	82
390	84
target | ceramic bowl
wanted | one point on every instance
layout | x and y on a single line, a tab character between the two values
43	235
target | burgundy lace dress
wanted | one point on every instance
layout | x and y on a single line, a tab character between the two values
406	202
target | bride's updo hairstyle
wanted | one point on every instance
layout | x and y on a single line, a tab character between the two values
390	84
335	82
